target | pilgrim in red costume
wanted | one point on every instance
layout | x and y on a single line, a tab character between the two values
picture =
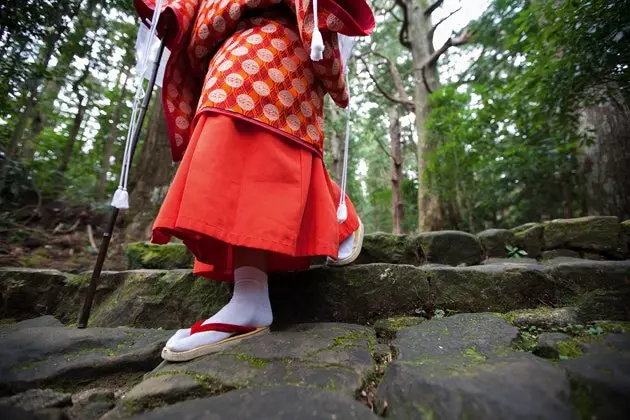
243	97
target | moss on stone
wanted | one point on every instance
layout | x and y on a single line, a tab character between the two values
613	327
569	349
542	317
35	259
211	385
388	248
77	280
174	297
474	355
347	340
255	362
387	328
169	256
582	400
595	233
427	413
28	365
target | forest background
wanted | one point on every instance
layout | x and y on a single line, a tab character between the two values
466	115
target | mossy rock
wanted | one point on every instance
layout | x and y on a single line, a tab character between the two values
494	242
27	292
625	232
158	298
559	253
593	233
552	345
523	227
598	289
332	356
530	238
464	367
387	328
491	288
358	294
160	257
71	359
388	248
449	247
543	317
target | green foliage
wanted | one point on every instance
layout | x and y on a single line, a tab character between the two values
510	139
64	53
515	252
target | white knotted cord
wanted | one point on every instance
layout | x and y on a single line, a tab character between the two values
121	196
345	46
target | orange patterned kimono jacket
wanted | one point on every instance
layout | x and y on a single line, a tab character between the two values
251	59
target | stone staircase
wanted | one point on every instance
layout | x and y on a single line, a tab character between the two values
438	326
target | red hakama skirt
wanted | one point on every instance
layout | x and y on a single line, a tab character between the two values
241	185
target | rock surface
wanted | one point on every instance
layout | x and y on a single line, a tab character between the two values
464	367
530	238
282	403
29	292
514	261
492	288
547	345
543	317
599	289
494	241
391	249
334	357
56	356
42	321
170	297
357	294
594	233
163	257
37	399
559	253
450	247
329	356
600	380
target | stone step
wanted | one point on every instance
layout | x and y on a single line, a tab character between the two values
474	366
357	294
41	354
596	237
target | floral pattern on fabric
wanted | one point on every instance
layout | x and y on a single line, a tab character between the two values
251	59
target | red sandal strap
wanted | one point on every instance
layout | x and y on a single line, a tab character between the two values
226	328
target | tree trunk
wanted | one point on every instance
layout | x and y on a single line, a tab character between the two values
397	165
429	212
113	133
567	202
605	164
152	176
31	100
68	150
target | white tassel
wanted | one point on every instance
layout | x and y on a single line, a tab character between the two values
317	46
317	43
342	213
121	199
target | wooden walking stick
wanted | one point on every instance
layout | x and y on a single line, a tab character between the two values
107	235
